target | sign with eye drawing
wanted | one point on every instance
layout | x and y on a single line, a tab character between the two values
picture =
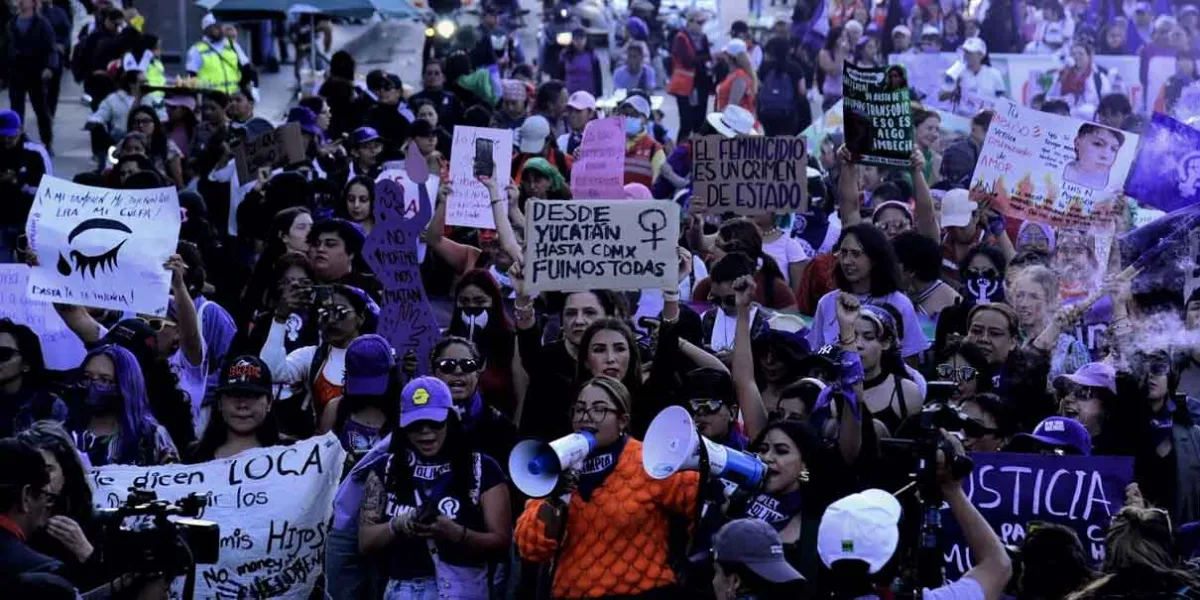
102	248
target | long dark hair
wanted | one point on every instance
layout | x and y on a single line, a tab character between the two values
633	374
341	211
261	280
748	240
29	345
885	275
499	332
217	432
385	402
158	139
75	500
455	449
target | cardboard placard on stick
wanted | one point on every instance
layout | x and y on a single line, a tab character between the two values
277	148
749	175
601	244
878	113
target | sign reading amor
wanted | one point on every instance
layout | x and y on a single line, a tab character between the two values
607	244
749	175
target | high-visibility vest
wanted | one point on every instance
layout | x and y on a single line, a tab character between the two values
220	70
156	74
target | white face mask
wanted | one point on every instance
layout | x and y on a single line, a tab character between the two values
473	318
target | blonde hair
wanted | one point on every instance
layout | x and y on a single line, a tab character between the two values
1042	277
1139	543
743	62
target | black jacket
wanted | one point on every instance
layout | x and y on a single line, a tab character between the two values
34	49
392	126
17	558
27	162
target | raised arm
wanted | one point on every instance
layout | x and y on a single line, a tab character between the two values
848	193
190	339
992	565
745	387
923	213
500	212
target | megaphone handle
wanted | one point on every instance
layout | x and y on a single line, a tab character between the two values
703	467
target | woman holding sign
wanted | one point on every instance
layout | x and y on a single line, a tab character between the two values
610	538
437	513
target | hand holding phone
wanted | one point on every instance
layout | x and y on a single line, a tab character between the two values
484	164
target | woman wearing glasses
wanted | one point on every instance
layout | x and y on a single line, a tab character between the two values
963	364
23	391
459	364
989	423
867	268
435	512
114	424
610	538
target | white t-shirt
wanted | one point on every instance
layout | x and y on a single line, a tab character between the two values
987	84
824	329
787	250
293	367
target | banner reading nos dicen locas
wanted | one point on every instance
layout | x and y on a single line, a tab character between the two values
273	506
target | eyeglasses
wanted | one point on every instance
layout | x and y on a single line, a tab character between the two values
143	121
702	407
335	313
6	354
595	414
157	324
447	366
89	379
851	253
961	374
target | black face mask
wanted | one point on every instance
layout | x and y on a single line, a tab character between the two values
102	397
983	285
475	319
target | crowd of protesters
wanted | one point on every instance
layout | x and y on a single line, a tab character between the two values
805	339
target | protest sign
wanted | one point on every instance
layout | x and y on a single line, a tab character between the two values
273	506
61	348
749	175
878	113
1010	490
601	244
101	247
469	204
1166	173
406	319
276	148
1052	169
599	171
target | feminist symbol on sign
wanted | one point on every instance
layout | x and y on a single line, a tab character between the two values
652	221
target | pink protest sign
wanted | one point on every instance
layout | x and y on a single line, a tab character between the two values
599	171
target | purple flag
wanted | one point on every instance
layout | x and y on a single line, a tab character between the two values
1166	173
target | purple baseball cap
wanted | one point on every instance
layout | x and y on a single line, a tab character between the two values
370	361
1097	375
1062	433
425	399
306	118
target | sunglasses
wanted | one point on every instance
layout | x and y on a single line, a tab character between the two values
157	324
727	301
983	274
976	429
961	374
6	354
705	407
448	366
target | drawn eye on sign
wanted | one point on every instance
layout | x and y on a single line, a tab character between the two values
88	263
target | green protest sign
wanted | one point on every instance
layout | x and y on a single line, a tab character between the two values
878	115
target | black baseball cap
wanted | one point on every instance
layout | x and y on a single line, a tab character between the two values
246	374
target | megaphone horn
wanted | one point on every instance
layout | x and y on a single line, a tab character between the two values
536	465
672	445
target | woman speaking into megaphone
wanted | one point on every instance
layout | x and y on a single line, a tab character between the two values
610	532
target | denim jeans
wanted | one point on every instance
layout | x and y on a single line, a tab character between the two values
347	574
425	588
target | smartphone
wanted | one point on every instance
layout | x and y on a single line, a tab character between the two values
322	295
484	165
427	513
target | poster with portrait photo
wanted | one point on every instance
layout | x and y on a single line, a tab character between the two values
1053	169
1166	174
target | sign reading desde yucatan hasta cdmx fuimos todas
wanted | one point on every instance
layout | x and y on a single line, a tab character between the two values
749	175
878	115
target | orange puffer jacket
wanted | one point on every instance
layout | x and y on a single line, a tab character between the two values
616	544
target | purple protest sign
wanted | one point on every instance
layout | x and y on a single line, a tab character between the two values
1011	490
599	172
1166	174
406	320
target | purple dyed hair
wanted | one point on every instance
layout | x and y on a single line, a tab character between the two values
137	422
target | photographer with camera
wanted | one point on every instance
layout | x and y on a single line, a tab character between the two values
859	533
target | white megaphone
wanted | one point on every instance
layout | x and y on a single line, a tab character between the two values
672	445
536	465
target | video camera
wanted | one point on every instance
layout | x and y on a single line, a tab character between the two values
913	454
163	537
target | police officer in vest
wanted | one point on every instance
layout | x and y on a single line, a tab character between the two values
644	157
213	60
